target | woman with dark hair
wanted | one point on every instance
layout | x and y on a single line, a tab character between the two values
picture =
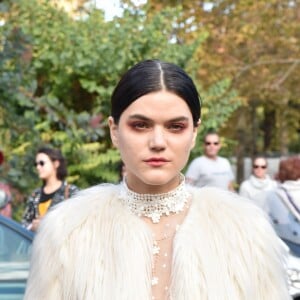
283	203
152	236
52	170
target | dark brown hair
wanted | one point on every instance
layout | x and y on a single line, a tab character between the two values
55	154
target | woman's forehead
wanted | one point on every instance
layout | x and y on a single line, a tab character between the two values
42	155
159	103
260	160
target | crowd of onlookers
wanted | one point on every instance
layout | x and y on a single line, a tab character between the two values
279	197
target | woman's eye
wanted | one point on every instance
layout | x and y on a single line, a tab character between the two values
140	125
176	127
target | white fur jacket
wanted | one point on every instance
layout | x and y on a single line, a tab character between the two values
92	247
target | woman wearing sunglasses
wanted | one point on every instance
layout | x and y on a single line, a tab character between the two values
153	237
52	170
259	182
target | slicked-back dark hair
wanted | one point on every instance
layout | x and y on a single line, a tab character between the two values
55	154
152	76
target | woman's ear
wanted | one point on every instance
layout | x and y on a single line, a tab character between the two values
56	164
195	133
113	129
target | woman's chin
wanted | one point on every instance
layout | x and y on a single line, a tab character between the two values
152	182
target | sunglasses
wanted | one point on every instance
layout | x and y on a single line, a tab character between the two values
39	163
257	166
212	143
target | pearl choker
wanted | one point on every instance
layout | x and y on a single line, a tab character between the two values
154	206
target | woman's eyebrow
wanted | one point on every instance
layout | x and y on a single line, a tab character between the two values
138	116
142	117
178	119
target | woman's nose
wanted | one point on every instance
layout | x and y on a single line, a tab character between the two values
157	139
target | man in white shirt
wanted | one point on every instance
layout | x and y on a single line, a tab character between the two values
211	169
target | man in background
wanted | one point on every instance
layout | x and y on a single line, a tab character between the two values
211	169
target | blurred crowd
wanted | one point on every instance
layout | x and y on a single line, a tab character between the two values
278	197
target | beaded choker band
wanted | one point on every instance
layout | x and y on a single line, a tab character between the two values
154	206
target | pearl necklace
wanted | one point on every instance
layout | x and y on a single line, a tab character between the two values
154	206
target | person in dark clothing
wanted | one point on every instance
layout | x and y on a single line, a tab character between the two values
52	170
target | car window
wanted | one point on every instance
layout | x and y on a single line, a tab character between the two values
14	247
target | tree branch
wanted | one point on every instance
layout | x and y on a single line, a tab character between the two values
295	62
286	75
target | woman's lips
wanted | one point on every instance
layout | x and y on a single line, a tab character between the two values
156	162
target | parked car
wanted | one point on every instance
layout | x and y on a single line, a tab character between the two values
15	250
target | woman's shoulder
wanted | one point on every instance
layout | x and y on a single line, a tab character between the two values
71	189
97	194
226	205
35	193
84	203
225	213
246	183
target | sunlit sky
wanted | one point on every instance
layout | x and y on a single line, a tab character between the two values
112	7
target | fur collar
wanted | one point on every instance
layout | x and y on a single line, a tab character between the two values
225	249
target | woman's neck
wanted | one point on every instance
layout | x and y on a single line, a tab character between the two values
51	185
138	186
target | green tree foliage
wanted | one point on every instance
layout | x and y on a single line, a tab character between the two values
57	74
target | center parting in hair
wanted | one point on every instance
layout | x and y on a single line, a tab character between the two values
163	86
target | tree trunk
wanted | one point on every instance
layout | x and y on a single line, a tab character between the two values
268	127
240	155
254	128
283	128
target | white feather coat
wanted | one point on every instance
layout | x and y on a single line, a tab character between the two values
91	247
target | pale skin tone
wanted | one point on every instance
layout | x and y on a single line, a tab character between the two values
47	173
157	126
260	171
155	135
